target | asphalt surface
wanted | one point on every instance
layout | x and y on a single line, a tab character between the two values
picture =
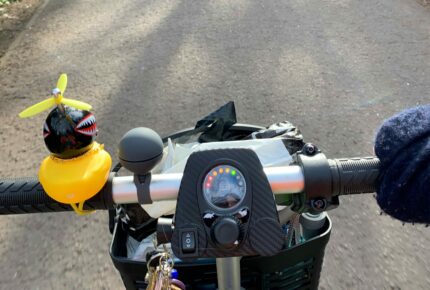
334	68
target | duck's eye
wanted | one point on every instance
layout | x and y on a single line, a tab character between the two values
46	130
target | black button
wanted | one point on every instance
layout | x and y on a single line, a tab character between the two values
226	232
188	242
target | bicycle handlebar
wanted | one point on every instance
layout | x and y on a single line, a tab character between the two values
26	195
342	177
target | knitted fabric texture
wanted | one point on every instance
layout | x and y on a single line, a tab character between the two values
403	147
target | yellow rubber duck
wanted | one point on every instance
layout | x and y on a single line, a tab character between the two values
78	167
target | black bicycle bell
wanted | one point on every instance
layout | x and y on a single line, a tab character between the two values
139	150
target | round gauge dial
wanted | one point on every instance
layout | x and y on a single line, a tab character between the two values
224	187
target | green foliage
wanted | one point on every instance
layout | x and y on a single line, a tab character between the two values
5	2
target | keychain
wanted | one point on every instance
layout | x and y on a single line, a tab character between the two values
153	268
161	275
150	279
165	268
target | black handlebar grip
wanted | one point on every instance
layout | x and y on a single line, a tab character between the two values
354	175
26	195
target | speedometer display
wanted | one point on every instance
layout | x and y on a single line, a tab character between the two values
224	187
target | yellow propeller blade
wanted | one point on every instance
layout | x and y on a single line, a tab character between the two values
76	104
36	109
62	83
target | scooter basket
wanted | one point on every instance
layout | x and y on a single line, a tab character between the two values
297	267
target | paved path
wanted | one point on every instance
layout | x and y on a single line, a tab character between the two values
335	68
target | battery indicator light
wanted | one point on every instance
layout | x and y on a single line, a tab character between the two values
221	171
227	170
215	173
208	185
233	172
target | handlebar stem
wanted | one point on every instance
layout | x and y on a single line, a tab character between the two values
228	273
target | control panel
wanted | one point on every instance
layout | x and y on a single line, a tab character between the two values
225	207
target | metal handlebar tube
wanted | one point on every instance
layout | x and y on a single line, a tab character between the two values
26	195
283	180
286	179
162	187
316	175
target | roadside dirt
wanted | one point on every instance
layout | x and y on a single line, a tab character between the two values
13	18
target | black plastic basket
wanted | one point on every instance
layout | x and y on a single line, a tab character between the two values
297	267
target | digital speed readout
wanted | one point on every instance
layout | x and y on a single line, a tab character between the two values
224	187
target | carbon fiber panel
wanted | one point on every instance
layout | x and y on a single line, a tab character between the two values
261	233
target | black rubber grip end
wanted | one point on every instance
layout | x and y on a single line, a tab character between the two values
26	195
354	175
